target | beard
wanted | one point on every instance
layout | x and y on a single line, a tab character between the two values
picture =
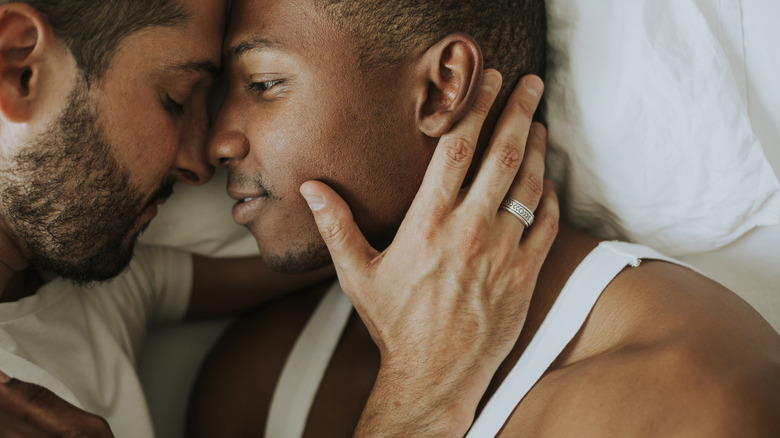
69	202
284	253
301	260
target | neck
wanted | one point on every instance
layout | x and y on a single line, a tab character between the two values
12	262
571	246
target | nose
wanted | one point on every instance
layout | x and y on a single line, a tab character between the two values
227	145
191	165
227	148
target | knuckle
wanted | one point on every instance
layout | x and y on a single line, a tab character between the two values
539	132
525	106
481	106
475	235
458	152
332	233
538	137
550	223
508	156
533	185
429	228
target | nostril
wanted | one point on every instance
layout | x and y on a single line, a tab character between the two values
223	161
190	176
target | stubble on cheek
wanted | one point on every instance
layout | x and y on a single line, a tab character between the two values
69	201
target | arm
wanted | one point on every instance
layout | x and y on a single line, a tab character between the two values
31	411
446	301
228	286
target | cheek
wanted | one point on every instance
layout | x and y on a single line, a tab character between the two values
143	136
380	164
144	140
291	144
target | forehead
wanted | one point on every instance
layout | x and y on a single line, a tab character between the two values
190	46
292	26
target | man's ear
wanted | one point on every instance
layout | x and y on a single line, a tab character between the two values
452	71
23	38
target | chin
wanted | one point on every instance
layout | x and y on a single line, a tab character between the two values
107	261
102	266
302	259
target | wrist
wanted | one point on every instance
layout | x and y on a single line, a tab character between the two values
403	403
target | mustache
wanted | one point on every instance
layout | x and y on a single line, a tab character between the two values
243	180
164	191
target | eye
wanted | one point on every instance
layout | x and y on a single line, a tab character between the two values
263	86
174	107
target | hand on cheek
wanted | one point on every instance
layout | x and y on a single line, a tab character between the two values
446	301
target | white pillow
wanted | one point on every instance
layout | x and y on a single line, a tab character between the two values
199	219
649	133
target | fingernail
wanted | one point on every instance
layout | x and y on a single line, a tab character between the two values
491	81
315	200
4	378
534	85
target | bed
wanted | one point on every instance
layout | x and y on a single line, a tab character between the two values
664	123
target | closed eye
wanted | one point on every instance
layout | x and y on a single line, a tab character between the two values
174	107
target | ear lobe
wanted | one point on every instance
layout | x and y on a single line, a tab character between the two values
452	68
21	38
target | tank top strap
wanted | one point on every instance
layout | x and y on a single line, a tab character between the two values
306	365
309	358
559	327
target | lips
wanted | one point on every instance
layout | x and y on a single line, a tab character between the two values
248	208
163	192
247	204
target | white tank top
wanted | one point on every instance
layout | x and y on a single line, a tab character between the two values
306	364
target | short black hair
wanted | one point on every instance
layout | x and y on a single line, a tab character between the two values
93	29
511	33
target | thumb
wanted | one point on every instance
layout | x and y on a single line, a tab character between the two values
349	249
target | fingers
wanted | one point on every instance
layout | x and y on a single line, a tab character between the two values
452	158
12	426
348	248
528	184
507	146
43	410
539	238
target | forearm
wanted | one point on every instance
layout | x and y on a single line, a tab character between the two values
228	286
439	403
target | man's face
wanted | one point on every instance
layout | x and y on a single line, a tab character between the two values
83	190
299	108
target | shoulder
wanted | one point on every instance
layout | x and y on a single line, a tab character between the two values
665	352
670	389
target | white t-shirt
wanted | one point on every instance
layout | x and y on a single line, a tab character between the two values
82	342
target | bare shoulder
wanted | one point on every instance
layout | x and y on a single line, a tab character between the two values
665	352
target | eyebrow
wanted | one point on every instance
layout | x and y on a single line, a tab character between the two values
250	45
198	67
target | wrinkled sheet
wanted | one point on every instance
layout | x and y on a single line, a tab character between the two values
650	134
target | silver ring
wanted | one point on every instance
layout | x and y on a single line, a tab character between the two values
519	210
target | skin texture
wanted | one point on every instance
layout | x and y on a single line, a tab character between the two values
665	351
270	153
85	168
151	142
136	105
283	123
